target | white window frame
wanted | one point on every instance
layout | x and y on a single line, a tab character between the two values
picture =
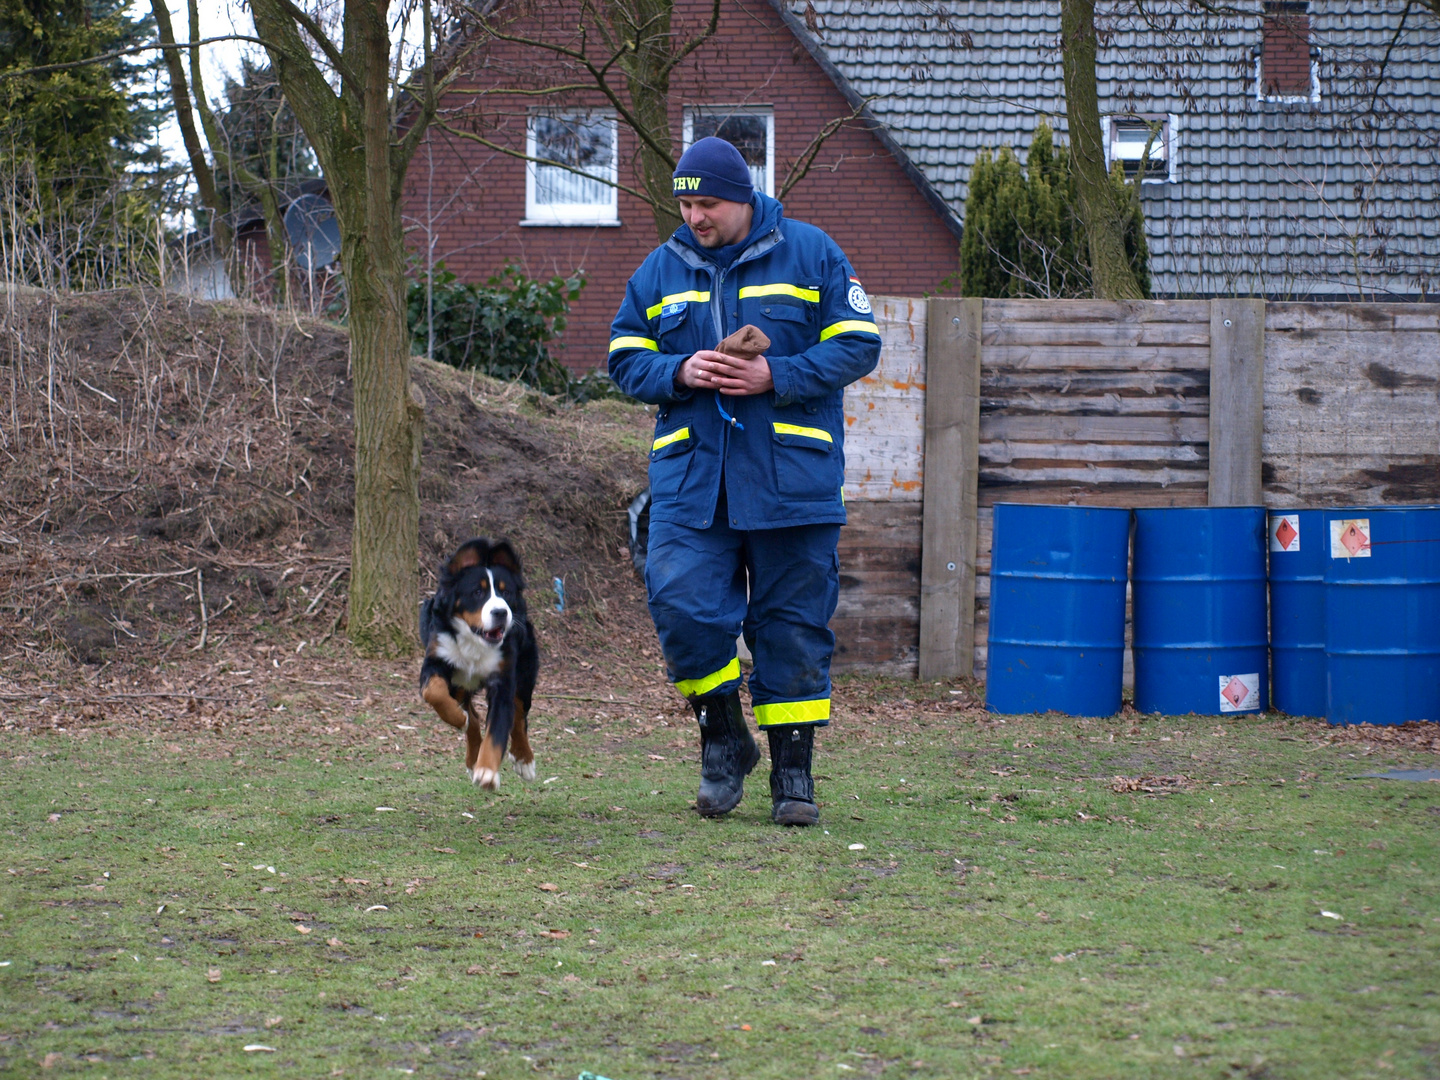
766	112
572	213
1169	139
1312	98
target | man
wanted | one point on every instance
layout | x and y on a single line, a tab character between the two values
746	466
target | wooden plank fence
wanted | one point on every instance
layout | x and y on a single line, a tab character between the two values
1110	403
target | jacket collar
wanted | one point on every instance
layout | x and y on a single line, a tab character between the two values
763	237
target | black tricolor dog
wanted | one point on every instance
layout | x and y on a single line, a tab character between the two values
476	634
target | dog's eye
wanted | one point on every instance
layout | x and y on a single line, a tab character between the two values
501	586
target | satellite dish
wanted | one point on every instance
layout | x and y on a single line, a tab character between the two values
314	233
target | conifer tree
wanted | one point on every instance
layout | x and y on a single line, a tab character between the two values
1023	235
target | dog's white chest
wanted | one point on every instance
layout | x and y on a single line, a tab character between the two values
473	658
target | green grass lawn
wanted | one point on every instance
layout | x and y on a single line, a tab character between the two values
979	901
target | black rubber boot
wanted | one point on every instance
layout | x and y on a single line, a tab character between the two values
792	791
727	752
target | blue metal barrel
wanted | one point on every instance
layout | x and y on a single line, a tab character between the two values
1382	615
1057	609
1299	550
1199	610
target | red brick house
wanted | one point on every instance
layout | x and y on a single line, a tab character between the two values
474	207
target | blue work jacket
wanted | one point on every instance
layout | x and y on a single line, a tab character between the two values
782	453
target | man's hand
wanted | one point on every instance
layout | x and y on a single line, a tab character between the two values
710	370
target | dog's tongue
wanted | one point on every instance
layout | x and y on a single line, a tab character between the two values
493	635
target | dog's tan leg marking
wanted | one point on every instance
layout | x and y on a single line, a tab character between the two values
521	756
486	770
474	732
437	696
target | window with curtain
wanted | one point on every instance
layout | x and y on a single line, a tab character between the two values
750	130
578	189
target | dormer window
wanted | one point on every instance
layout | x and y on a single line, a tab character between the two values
1286	68
1127	137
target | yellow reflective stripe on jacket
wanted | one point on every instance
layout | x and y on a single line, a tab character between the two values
677	298
793	712
849	326
699	687
634	343
781	289
808	432
674	436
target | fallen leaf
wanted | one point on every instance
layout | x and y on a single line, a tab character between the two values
974	1021
50	1061
857	847
334	942
53	817
548	886
376	907
213	975
744	1027
251	1048
384	809
274	1021
475	969
1332	915
444	850
556	934
302	929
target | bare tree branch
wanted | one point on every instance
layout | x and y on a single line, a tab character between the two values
802	165
105	58
510	151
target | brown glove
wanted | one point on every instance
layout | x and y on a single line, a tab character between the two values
746	343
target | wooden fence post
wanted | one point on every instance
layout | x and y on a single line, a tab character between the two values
1237	401
950	529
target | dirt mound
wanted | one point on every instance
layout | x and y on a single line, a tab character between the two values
159	450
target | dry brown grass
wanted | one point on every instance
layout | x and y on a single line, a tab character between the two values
159	450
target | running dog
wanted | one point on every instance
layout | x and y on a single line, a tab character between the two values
476	634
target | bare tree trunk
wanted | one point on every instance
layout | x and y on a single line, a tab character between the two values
180	95
1103	216
647	66
364	165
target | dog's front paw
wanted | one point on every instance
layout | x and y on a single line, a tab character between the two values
486	778
523	769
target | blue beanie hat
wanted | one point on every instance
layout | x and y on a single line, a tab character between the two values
712	168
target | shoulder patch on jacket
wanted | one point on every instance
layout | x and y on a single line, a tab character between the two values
857	299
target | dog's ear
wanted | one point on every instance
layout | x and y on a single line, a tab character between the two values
503	555
471	553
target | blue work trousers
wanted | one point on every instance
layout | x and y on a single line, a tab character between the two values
696	579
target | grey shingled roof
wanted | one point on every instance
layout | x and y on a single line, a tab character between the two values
1289	200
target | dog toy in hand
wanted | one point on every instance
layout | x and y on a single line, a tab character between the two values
746	343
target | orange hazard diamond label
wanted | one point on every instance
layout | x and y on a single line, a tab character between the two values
1285	532
1350	538
1239	693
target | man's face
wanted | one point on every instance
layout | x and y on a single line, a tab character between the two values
716	222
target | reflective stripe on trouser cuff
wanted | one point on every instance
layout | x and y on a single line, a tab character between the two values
700	687
793	712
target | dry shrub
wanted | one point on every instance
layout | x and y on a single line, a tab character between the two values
155	444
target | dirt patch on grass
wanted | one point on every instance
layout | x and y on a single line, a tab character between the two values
178	472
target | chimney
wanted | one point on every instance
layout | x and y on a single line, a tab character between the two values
1285	49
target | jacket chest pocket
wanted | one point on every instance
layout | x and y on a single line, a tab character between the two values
670	458
807	462
671	327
